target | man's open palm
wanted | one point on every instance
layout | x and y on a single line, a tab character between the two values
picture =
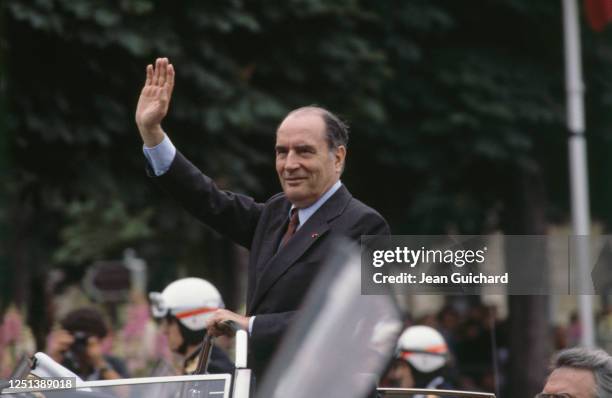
155	96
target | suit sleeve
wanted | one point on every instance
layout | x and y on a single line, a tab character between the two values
233	215
369	223
268	329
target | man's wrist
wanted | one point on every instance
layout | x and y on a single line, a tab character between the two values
151	136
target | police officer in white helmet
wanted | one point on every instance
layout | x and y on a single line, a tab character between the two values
421	360
183	308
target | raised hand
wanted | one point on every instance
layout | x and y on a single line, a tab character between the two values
154	101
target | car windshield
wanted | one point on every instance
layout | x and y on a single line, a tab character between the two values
202	386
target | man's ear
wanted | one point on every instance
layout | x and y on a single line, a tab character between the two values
340	157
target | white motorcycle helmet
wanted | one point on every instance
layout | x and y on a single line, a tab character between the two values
423	347
190	300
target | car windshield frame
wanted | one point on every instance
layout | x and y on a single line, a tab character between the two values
410	392
87	385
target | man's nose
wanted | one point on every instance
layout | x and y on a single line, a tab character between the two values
291	163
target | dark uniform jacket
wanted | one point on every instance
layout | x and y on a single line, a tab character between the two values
218	362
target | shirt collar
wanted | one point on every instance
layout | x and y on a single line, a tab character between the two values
305	213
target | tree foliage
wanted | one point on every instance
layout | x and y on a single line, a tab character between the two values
76	69
446	103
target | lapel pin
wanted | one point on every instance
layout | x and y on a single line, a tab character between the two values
314	236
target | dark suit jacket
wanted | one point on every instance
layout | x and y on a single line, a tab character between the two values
277	280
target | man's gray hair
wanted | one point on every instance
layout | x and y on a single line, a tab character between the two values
597	361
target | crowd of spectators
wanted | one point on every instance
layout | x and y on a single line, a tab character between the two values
476	336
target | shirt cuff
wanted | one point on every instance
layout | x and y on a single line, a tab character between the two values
160	156
251	321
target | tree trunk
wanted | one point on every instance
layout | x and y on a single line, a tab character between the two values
529	331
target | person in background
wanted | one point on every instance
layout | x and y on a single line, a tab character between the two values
579	373
574	330
77	345
421	360
183	308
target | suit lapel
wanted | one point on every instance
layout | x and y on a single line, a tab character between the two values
274	233
315	228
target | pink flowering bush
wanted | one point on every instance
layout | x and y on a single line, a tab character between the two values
15	340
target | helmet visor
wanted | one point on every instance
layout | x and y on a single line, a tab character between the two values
158	307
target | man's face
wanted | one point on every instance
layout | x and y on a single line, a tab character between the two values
170	329
305	166
576	383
